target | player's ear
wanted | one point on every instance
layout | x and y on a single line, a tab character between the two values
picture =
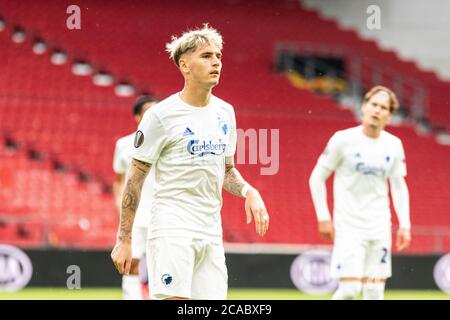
183	65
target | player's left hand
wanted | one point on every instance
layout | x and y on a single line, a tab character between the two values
403	239
254	207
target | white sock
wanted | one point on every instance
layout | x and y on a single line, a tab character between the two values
373	291
347	290
131	288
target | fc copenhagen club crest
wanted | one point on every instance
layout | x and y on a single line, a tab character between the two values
138	139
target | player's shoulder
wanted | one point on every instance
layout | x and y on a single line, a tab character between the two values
343	138
125	140
391	138
226	107
163	106
222	103
347	133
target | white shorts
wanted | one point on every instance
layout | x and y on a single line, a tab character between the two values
186	267
138	241
359	258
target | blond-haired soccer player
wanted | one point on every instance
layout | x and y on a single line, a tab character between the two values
132	287
363	159
190	140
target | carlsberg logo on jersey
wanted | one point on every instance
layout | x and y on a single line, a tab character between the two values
370	170
203	148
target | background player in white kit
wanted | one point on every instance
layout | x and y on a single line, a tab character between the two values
363	159
190	140
133	288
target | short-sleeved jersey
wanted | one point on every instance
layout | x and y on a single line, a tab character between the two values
187	147
121	164
362	167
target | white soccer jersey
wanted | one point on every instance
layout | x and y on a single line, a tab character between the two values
362	166
121	164
187	146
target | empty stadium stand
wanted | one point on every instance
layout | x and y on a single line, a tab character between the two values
70	125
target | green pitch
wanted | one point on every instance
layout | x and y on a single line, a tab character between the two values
233	294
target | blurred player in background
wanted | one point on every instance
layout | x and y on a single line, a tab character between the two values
363	159
190	140
133	287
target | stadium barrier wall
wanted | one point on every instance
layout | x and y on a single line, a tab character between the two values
53	268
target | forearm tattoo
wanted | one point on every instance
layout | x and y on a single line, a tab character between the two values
233	182
131	197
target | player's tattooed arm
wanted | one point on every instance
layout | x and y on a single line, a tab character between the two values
117	187
254	205
233	182
131	195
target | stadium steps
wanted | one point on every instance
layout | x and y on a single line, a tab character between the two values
62	116
38	205
134	52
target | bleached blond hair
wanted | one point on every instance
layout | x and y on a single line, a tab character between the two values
191	40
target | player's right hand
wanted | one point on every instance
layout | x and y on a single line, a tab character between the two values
121	256
403	239
255	207
326	230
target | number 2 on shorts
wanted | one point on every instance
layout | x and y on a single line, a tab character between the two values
385	252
